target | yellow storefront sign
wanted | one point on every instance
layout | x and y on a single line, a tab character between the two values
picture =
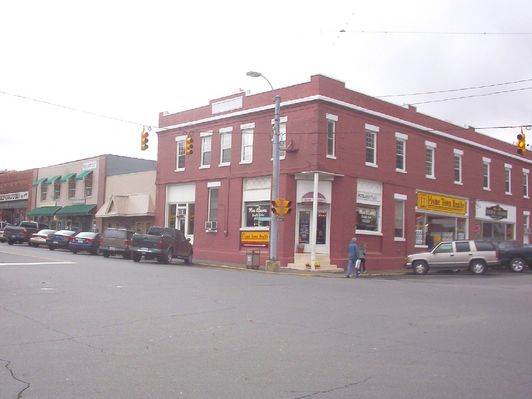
254	238
441	203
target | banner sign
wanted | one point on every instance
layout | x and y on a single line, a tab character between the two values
23	195
254	238
441	203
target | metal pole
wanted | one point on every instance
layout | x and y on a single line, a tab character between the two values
275	177
314	222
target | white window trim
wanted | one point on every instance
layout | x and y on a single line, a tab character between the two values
432	146
403	198
331	118
371	129
214	184
508	169
460	154
222	131
202	135
178	139
247	126
486	161
526	177
404	138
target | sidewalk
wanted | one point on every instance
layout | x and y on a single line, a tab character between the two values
340	273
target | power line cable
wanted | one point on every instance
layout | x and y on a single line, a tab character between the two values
457	33
455	90
471	96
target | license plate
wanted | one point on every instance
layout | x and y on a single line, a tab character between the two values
56	242
144	250
112	248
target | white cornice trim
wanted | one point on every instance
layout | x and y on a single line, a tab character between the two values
354	107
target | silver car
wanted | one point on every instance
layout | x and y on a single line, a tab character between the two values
475	256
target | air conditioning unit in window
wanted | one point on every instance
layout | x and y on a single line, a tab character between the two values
181	212
211	225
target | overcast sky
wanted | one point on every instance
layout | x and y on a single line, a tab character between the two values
132	60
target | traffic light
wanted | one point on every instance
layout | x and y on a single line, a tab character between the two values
281	207
144	140
189	145
521	143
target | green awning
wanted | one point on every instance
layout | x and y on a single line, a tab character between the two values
66	177
52	180
44	211
76	210
83	174
38	181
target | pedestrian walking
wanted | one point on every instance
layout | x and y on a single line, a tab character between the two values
352	256
429	240
362	257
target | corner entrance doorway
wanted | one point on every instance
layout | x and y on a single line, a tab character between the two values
304	226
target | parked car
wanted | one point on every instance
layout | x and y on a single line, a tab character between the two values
2	226
60	239
116	242
161	243
475	256
22	232
85	241
517	258
40	237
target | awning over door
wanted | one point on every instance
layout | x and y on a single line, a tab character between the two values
44	211
128	206
76	210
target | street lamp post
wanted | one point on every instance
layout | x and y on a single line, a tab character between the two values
275	173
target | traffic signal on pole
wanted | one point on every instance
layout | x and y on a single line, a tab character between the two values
189	145
281	207
144	140
521	143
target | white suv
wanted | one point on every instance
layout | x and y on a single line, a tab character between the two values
475	256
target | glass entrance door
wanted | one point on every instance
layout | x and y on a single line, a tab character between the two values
304	224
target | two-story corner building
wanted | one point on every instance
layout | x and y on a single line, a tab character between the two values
384	172
15	194
69	194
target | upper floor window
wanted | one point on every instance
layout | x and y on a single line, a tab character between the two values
507	179
246	153
371	145
180	154
525	183
88	185
458	154
72	187
331	135
430	150
57	189
282	138
486	173
400	152
44	190
206	141
225	146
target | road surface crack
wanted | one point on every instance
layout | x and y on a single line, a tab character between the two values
333	389
12	373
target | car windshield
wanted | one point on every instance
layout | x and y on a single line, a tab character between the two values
65	233
113	233
86	235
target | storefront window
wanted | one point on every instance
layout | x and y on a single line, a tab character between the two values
255	212
367	217
441	228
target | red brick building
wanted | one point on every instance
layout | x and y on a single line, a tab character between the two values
386	173
16	196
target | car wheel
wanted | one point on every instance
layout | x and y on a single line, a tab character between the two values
188	259
517	265
420	267
51	247
126	255
106	254
34	245
74	251
477	267
10	242
136	257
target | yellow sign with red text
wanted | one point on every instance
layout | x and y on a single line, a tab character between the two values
441	203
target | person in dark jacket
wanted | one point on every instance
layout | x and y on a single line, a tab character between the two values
352	256
429	240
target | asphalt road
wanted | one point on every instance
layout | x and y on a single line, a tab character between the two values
81	326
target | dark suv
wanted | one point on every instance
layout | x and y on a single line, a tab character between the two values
116	242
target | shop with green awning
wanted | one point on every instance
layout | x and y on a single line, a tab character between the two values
44	211
77	217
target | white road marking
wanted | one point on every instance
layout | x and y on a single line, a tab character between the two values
35	263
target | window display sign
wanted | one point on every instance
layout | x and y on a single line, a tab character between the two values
256	214
367	217
254	238
441	203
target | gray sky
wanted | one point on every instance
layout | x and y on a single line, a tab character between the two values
131	60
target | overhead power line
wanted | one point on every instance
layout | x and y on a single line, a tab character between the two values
392	32
471	96
455	90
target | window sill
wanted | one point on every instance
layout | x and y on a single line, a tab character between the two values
400	170
222	165
508	193
486	188
180	170
430	177
245	162
331	156
399	239
458	183
372	165
259	228
368	233
205	167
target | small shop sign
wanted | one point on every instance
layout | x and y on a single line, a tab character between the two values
496	212
23	195
254	238
441	203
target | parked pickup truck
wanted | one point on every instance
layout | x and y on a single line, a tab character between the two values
161	243
516	258
22	232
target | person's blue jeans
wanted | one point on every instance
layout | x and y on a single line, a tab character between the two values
350	264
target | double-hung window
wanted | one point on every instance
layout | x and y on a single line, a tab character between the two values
430	151
399	217
57	189
525	183
508	179
180	155
206	143
400	152
331	135
486	173
458	154
371	145
71	187
225	146
246	153
44	190
214	189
